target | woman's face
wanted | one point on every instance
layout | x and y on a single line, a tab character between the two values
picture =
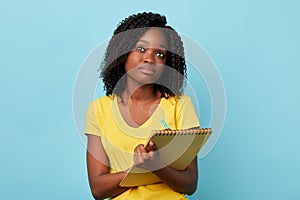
145	63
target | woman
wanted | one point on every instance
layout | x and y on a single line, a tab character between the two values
143	72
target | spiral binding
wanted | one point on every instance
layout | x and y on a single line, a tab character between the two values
170	132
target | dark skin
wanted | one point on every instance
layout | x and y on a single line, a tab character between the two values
102	183
139	100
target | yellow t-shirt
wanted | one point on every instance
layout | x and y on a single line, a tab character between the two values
104	119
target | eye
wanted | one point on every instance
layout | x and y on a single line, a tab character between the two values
160	54
141	49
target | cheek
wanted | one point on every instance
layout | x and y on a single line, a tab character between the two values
132	61
129	65
161	61
160	70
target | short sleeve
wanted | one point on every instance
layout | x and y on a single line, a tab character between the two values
93	120
185	114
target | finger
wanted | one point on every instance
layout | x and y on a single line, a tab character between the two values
141	154
154	147
140	148
151	143
153	155
149	146
136	155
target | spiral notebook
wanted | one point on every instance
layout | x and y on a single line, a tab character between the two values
177	148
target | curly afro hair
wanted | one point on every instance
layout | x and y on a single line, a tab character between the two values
123	41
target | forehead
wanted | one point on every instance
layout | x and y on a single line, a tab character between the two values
155	36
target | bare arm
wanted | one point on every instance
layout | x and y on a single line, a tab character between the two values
102	183
183	181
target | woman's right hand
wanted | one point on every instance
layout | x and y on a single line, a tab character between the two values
147	157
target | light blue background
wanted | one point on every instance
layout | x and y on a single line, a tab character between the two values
255	45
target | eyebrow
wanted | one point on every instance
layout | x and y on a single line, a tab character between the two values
160	45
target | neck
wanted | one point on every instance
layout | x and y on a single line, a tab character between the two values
139	94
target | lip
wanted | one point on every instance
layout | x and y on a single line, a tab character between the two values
146	70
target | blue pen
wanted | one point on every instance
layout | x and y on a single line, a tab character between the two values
165	124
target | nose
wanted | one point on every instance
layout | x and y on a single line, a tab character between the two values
149	57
